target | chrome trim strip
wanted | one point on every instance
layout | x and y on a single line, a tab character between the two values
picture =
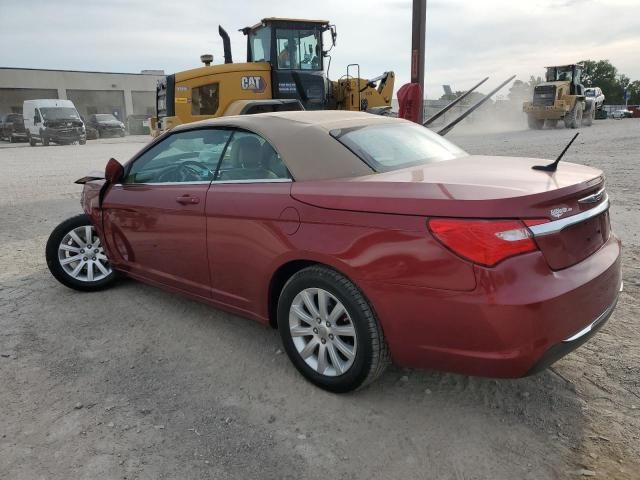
557	225
264	180
204	182
207	182
595	323
594	197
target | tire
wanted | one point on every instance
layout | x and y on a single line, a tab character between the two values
551	123
32	141
573	119
587	120
45	139
121	134
82	142
363	336
61	247
534	123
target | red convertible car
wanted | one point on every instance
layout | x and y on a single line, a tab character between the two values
363	239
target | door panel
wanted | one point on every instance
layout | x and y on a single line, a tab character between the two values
159	231
246	232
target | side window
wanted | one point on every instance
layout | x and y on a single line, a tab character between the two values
36	116
204	99
251	157
190	156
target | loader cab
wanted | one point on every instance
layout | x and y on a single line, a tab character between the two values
294	49
572	74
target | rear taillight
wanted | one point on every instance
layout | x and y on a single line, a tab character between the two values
485	242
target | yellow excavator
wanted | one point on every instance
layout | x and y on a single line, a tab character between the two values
284	70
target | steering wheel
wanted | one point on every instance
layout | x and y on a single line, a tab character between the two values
189	171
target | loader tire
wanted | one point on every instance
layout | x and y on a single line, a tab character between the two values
587	117
573	119
534	123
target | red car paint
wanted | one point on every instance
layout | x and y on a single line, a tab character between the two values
226	243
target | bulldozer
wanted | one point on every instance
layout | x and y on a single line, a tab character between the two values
284	70
560	97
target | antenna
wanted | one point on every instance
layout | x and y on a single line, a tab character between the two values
552	167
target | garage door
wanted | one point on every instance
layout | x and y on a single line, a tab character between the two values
11	98
88	102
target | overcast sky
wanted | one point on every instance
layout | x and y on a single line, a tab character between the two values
466	39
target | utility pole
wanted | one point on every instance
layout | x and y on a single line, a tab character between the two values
418	49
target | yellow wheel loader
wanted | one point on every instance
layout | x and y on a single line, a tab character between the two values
284	70
561	97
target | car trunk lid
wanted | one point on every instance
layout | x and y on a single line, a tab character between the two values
481	187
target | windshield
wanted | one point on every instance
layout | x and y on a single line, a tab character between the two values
395	146
105	117
590	93
298	49
555	74
260	44
59	113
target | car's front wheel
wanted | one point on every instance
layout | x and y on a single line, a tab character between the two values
76	257
330	331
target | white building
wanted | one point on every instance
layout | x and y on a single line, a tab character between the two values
122	94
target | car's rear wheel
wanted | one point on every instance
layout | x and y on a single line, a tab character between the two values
330	331
76	257
32	140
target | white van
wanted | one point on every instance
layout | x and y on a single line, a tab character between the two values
53	120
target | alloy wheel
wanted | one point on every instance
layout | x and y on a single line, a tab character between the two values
322	332
81	255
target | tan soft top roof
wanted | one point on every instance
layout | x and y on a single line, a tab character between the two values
302	139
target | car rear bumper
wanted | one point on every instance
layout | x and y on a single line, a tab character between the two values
521	317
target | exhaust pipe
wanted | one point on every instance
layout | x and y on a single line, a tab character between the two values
226	43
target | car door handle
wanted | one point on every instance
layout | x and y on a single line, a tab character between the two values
188	200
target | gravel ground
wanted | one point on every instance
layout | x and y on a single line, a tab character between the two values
134	383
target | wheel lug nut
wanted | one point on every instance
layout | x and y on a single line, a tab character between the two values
315	330
84	258
331	336
96	251
318	320
93	258
328	324
81	250
324	340
88	246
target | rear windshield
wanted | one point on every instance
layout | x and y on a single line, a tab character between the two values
394	146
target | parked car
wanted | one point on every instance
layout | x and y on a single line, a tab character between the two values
107	125
52	120
138	125
595	94
92	133
619	114
361	238
12	128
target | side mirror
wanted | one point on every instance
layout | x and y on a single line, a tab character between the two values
114	171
